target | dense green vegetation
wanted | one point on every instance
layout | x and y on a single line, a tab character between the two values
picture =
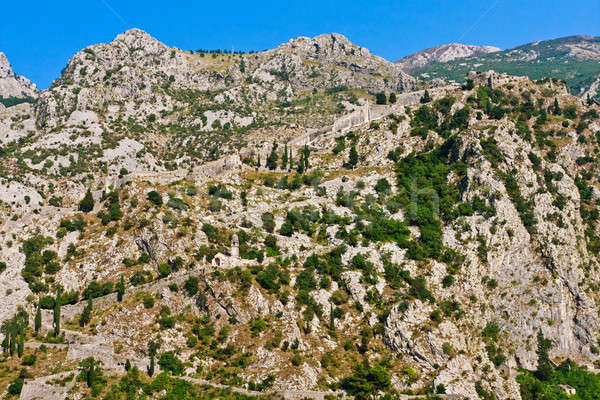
551	62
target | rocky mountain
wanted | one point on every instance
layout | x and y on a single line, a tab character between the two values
442	54
12	86
296	223
575	59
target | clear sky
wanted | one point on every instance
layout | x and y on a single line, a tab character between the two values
39	37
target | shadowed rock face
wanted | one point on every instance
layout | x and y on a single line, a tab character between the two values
444	53
12	85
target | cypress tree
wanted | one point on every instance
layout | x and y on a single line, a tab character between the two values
87	204
120	290
426	97
284	158
272	158
86	314
38	318
20	345
353	159
306	155
557	110
152	348
127	365
57	304
13	338
291	159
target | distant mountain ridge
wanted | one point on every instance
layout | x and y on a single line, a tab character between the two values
575	59
443	53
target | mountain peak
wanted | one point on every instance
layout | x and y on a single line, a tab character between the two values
137	38
5	67
443	53
12	85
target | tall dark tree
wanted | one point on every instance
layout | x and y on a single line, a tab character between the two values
87	204
57	304
545	370
90	370
152	349
284	158
303	163
37	324
381	98
120	289
291	159
86	314
272	158
557	110
426	97
392	98
353	159
20	344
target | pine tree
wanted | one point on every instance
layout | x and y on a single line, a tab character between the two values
291	159
57	304
38	318
353	159
120	289
87	204
127	365
392	98
86	314
284	157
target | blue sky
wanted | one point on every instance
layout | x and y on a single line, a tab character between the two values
39	37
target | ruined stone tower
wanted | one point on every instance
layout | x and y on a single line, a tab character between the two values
235	246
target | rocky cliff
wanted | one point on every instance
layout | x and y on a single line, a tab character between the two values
12	85
431	245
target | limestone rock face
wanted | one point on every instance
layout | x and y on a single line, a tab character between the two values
444	53
12	85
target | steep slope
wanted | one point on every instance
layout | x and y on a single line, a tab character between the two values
332	244
14	88
442	54
575	59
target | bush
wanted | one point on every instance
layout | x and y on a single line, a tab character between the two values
168	361
165	269
148	301
191	285
381	98
155	198
366	380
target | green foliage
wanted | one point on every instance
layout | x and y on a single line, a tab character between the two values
191	285
168	361
155	198
86	314
87	203
381	98
366	381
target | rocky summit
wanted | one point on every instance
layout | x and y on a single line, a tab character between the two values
303	222
442	54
